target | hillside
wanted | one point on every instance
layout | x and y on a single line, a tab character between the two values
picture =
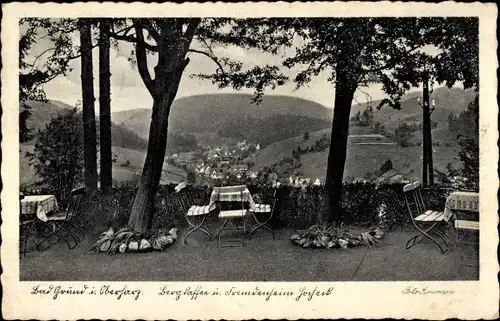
271	129
447	101
364	159
120	173
365	154
224	114
232	116
43	112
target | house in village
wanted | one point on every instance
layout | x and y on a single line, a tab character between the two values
392	176
212	155
240	169
242	145
186	158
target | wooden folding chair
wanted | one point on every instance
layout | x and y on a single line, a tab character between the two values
232	220
27	229
427	222
195	215
62	223
263	214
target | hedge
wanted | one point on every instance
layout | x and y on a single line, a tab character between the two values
296	208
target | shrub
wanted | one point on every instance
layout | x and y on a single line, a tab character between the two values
296	208
191	177
403	135
58	153
126	164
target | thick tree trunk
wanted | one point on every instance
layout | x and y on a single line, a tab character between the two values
105	108
141	216
344	95
89	127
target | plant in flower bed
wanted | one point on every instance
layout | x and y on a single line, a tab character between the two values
127	240
331	236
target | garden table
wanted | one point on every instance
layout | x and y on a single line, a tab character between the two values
236	193
464	208
461	201
233	194
41	205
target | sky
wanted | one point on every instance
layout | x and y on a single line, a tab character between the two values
129	92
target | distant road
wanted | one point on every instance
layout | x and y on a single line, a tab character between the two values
367	136
375	143
167	176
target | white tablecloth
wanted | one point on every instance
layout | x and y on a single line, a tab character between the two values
237	194
40	205
461	201
231	194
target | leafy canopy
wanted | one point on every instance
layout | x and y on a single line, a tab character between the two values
395	52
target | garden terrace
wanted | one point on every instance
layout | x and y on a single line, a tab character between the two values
279	260
296	208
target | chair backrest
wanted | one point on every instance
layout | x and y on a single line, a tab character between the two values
74	201
181	196
78	191
413	199
234	188
275	198
236	204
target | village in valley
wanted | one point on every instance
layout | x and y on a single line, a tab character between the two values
218	162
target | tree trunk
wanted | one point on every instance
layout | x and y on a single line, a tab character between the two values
344	95
141	216
89	127
105	108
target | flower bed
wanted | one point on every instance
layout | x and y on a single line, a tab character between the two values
126	240
333	237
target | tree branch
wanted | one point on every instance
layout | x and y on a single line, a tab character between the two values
189	34
211	56
137	40
391	62
142	60
152	31
38	57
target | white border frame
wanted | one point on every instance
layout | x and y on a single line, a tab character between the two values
472	299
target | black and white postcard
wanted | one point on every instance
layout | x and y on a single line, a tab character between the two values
249	161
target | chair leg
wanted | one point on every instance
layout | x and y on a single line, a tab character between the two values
259	225
194	227
25	242
56	232
63	226
239	227
221	227
26	234
426	233
442	236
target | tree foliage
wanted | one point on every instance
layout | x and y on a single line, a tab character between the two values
466	129
58	153
403	134
36	70
387	50
386	166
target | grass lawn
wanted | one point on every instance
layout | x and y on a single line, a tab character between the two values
262	259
